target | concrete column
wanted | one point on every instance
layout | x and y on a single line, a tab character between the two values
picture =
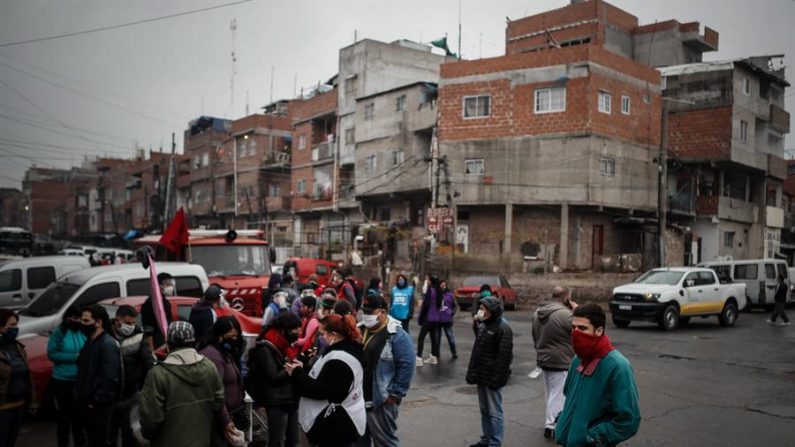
564	236
506	252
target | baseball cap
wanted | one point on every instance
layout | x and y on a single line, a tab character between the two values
180	333
374	301
213	293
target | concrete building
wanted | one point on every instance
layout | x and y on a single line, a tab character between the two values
552	148
146	191
204	142
12	208
727	141
107	198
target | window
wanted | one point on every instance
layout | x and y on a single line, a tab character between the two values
400	103
40	277
605	100
369	111
301	141
743	131
300	186
607	167
321	270
746	271
747	86
550	100
205	159
625	105
705	278
646	99
99	292
10	280
397	157
782	270
274	190
473	167
770	271
370	163
663	82
477	106
252	147
197	161
183	312
728	239
691	280
350	135
189	286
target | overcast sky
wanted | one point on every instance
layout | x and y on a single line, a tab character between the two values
103	93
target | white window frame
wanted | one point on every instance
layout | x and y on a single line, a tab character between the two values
477	99
747	86
398	157
607	166
726	236
743	131
605	100
548	92
400	103
369	111
205	159
626	101
370	163
647	99
350	135
474	161
301	141
300	186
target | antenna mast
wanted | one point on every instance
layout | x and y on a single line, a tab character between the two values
233	28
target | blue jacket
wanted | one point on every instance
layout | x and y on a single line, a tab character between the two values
395	366
402	302
63	348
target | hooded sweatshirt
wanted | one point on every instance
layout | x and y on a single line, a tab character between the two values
552	336
179	400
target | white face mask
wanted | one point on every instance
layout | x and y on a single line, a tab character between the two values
369	320
480	315
126	329
280	300
168	290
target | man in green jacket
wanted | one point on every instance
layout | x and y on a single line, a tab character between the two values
602	407
182	394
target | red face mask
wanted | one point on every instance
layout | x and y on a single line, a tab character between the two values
589	347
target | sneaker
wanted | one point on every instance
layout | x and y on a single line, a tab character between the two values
455	355
770	322
785	323
432	360
549	433
419	361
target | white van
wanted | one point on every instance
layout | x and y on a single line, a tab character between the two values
24	279
92	285
759	275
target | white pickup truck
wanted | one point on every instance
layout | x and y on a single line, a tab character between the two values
670	296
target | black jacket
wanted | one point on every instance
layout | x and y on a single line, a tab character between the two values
136	361
268	381
332	384
781	293
201	318
99	371
492	354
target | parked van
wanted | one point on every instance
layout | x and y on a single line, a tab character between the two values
24	279
759	275
89	286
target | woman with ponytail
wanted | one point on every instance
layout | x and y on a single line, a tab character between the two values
331	410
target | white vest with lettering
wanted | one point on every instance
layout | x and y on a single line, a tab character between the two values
310	409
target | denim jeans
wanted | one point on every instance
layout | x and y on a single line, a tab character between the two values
448	332
491	417
282	426
381	427
10	423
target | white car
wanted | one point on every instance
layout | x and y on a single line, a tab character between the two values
671	296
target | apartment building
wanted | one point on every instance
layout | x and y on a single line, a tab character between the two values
204	144
552	148
726	135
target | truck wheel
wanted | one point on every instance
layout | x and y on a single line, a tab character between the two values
669	318
728	316
620	323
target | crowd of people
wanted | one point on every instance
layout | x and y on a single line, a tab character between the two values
330	367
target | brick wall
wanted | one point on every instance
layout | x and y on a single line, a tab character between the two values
701	134
641	125
315	106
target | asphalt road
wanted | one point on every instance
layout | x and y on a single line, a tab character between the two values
703	385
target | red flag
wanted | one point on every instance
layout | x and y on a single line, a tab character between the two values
176	235
157	298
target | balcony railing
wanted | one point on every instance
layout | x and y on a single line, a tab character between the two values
323	151
276	159
779	119
681	202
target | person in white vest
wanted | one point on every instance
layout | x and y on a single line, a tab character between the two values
331	411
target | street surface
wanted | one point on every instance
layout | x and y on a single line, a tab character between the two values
702	385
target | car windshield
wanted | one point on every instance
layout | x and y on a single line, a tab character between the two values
660	277
224	260
51	300
480	280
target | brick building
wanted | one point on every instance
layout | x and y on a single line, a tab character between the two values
146	191
551	149
108	197
12	208
204	142
726	135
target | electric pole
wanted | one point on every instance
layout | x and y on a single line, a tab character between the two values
662	181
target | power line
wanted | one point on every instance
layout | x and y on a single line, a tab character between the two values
121	25
110	146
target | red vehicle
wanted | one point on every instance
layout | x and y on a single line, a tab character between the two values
239	261
469	292
36	344
301	268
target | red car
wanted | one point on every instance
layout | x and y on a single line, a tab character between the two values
469	292
36	344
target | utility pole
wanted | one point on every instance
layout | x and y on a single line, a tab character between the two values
434	184
662	181
459	29
169	179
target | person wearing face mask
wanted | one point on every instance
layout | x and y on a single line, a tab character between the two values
63	348
152	334
274	309
16	384
269	383
602	407
204	313
402	305
136	363
223	346
490	368
447	310
99	375
309	323
388	370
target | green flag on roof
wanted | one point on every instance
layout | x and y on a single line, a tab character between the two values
442	43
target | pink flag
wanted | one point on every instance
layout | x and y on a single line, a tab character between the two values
157	298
